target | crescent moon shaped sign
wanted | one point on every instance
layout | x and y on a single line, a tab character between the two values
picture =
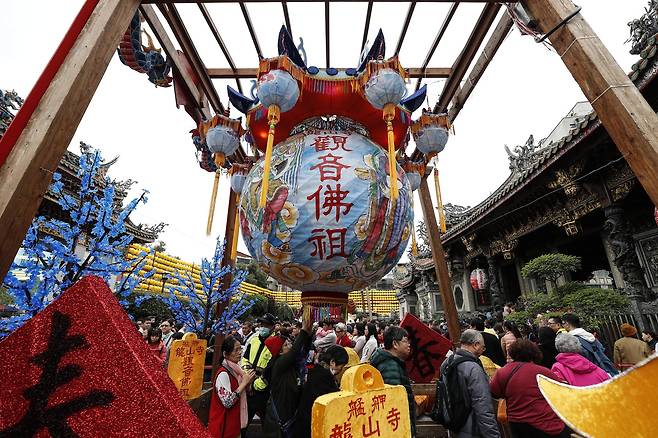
610	409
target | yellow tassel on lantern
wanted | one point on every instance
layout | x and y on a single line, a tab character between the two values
273	116
236	230
389	115
213	200
439	202
414	244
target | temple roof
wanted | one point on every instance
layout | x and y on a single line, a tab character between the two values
530	160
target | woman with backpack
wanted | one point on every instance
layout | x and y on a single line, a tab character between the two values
528	413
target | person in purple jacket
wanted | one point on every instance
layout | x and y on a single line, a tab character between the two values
572	367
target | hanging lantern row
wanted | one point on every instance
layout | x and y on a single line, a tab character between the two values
430	132
478	279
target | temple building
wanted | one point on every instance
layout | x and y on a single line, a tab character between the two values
572	193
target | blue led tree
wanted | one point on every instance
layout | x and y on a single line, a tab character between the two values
194	304
95	217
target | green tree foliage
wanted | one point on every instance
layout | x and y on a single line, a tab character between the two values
254	274
589	303
258	309
551	266
149	307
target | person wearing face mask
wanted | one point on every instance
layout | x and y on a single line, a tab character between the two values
256	357
284	377
321	380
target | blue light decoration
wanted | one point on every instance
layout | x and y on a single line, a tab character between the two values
329	224
196	308
50	263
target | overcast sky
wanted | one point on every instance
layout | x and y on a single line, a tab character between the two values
525	90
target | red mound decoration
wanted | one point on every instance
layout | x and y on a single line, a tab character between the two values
80	368
428	350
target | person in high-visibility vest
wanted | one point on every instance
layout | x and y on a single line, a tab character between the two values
256	357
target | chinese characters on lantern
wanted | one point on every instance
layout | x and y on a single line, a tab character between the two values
186	360
329	198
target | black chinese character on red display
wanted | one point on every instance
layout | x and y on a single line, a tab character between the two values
41	413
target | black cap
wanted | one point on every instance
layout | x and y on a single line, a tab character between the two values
268	318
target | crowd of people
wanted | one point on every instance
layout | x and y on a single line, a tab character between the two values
277	369
501	361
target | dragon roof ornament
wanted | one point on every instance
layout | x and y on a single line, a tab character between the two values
644	28
523	156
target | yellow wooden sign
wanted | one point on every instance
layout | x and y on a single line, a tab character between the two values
364	408
186	360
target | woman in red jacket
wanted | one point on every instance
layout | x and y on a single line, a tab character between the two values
157	347
529	414
228	403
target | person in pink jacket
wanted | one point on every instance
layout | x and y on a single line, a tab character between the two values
572	367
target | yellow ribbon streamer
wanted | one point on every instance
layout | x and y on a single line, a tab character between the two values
236	230
439	202
273	115
213	200
389	114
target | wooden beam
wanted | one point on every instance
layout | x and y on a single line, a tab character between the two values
175	22
327	38
286	17
220	41
405	27
465	58
625	114
306	1
250	28
250	72
366	25
440	265
500	32
172	55
54	114
437	40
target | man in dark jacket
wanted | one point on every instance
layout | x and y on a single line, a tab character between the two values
389	361
493	350
481	421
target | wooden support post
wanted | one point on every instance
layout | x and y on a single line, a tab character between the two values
620	106
57	103
228	278
440	265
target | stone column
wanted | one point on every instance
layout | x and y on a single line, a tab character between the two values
494	287
620	239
